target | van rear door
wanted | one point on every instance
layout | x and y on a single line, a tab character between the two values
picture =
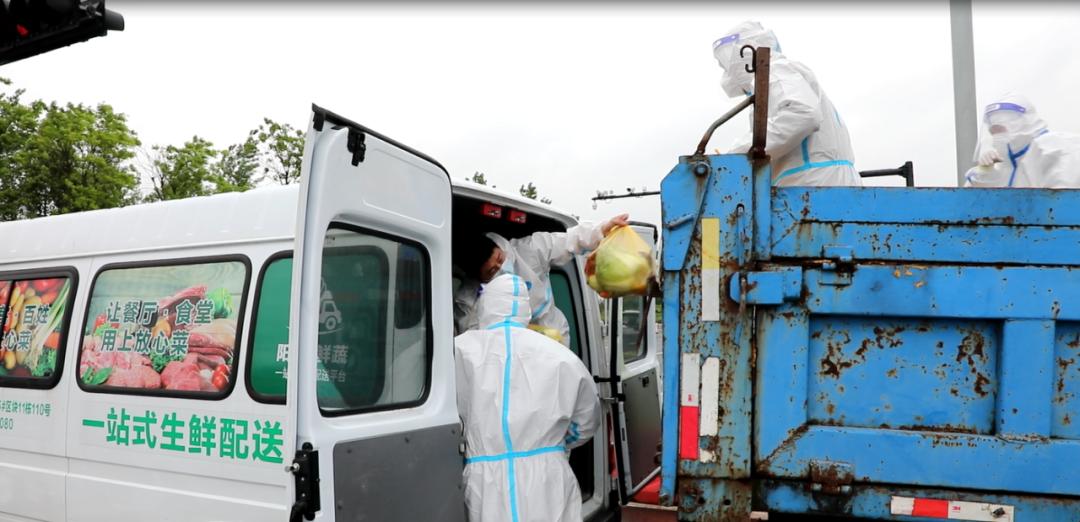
635	364
371	392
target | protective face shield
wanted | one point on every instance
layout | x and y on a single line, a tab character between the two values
1009	126
736	81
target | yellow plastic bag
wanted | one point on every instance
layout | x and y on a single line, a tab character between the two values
550	332
622	265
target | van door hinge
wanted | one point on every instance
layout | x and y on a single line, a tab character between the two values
831	478
356	146
771	287
839	265
305	471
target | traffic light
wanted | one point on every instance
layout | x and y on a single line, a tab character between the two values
32	27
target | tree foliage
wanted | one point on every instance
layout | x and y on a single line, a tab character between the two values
530	191
57	158
182	172
280	150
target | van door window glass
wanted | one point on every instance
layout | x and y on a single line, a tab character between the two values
633	345
34	315
564	301
270	333
374	326
168	329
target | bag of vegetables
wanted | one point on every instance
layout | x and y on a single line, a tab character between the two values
622	264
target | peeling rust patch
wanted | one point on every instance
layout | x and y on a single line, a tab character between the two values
834	363
980	382
971	346
1064	365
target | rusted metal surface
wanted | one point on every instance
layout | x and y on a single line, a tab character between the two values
715	500
759	128
932	339
871	502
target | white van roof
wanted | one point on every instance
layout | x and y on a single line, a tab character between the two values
258	215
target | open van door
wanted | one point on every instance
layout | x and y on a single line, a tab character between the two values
371	399
634	366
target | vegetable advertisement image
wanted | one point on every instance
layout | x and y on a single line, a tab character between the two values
32	311
163	328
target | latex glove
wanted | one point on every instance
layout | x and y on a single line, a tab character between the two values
618	221
989	157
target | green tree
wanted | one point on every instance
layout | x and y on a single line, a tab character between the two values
18	122
182	172
478	178
281	151
530	191
76	158
236	167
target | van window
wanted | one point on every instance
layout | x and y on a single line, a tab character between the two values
631	328
269	349
564	301
167	329
34	313
367	358
370	360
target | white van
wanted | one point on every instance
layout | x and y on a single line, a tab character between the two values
146	370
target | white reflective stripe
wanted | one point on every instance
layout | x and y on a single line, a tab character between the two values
691	379
710	269
710	397
902	506
954	510
705	455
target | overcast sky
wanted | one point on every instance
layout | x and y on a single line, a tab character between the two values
575	98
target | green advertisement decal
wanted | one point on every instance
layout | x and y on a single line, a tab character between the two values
222	437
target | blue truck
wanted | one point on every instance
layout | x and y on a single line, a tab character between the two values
888	353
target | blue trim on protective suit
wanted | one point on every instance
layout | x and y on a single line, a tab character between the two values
807	164
1019	154
515	455
573	435
506	401
543	306
511	324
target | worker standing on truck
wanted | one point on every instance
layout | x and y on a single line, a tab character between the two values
524	402
1016	149
806	139
484	256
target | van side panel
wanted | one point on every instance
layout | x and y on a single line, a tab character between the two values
171	458
33	428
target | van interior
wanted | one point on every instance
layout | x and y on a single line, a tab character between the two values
476	217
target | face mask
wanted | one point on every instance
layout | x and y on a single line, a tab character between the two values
1001	144
736	81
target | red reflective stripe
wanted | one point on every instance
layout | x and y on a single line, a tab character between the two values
925	507
688	432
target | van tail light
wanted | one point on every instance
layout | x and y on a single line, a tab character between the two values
517	216
491	210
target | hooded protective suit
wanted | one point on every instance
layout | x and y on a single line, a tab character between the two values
531	258
524	400
806	139
1017	150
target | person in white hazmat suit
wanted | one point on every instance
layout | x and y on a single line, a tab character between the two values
1016	149
524	401
806	139
530	257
